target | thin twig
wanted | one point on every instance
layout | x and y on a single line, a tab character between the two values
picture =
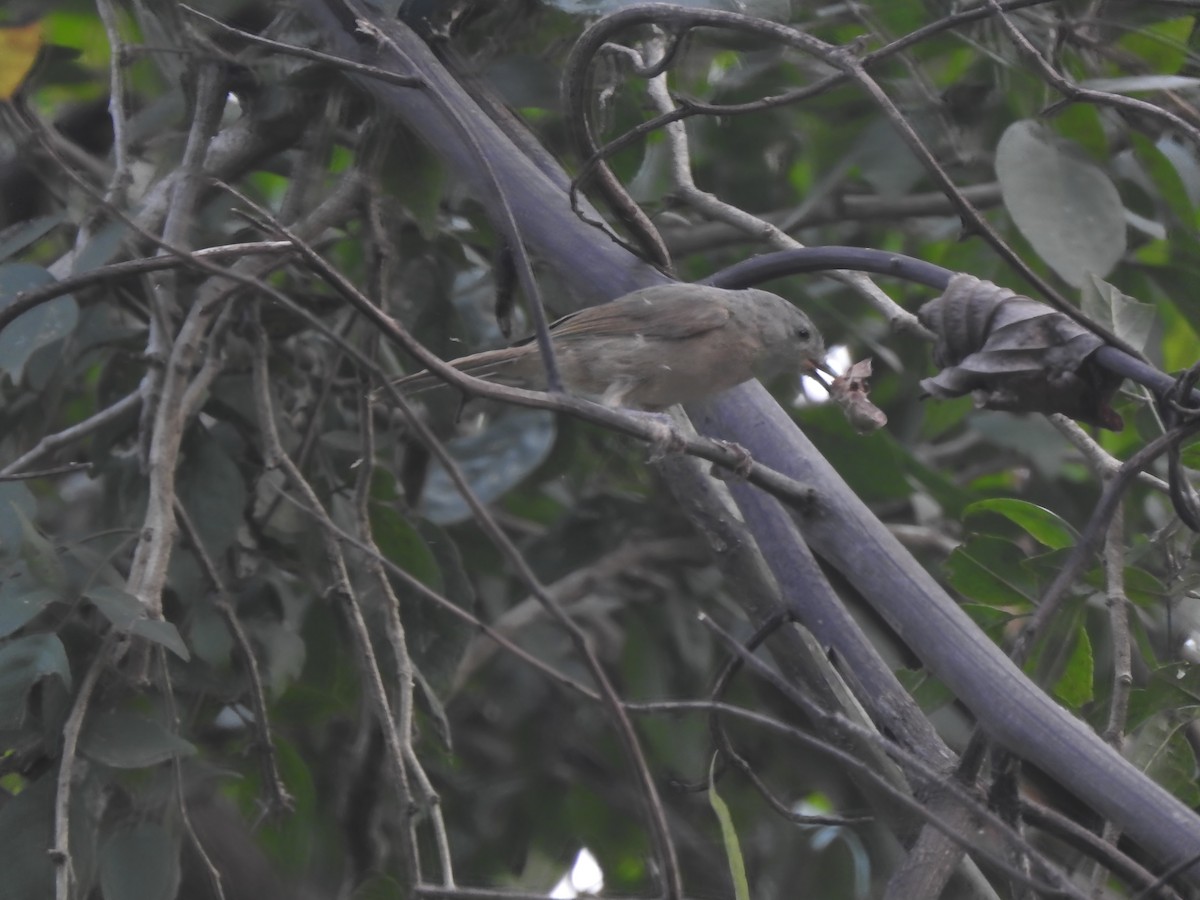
656	815
419	588
122	175
686	190
1114	490
398	644
24	301
1118	619
64	469
165	305
461	123
798	496
1078	94
834	209
148	571
1122	655
280	800
61	852
1076	835
172	708
1099	460
339	62
276	457
829	721
126	406
681	18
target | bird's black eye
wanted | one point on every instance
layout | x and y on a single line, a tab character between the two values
803	333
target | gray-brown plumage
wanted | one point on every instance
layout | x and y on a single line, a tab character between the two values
658	346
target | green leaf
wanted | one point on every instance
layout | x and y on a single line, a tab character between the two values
27	833
993	620
1159	748
379	887
127	615
988	570
1190	455
117	605
40	555
1161	45
930	693
444	637
21	602
213	492
23	663
1033	437
1166	176
1075	685
729	837
400	543
208	636
1125	317
1037	521
100	249
159	631
288	839
21	235
1141	587
1081	123
887	165
37	328
1181	157
1061	201
874	465
125	740
283	653
16	497
140	863
416	180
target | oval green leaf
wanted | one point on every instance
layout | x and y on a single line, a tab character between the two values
37	328
124	740
1064	204
1074	687
140	863
1038	522
23	663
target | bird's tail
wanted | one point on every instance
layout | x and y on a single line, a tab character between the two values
492	364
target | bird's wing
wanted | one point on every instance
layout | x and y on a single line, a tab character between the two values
663	316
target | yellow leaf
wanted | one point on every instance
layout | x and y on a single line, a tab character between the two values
18	49
733	847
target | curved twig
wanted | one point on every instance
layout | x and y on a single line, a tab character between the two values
783	263
850	67
1114	489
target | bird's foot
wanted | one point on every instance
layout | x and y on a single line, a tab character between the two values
666	439
743	465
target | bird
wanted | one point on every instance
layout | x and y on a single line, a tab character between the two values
658	346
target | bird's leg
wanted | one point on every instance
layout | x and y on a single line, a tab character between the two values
666	438
742	468
614	395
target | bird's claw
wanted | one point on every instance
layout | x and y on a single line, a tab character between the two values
741	468
665	439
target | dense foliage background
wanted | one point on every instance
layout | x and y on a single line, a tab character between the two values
242	602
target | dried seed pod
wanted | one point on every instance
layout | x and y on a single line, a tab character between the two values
1016	354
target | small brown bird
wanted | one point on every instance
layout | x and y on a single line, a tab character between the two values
658	346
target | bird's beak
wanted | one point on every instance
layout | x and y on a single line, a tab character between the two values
815	368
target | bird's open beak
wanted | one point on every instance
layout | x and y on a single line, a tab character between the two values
816	369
